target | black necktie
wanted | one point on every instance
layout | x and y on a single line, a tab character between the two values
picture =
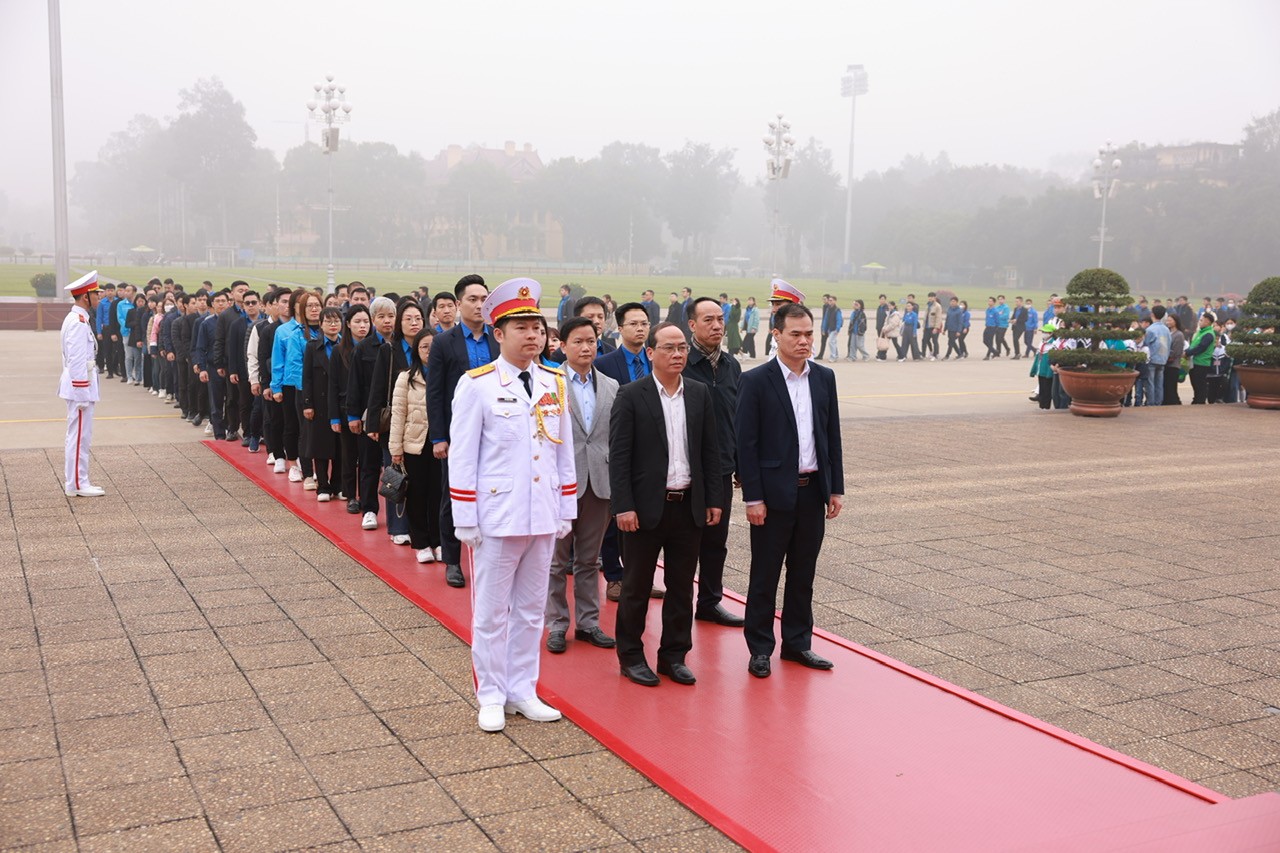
528	383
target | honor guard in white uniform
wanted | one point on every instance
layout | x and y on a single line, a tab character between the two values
79	384
514	492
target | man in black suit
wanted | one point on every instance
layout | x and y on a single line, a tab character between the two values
664	478
593	308
792	472
468	345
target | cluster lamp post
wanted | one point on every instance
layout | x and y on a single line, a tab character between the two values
781	146
333	109
1106	166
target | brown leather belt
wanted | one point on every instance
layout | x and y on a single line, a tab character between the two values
806	478
676	495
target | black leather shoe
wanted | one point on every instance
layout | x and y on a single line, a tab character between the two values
677	672
806	658
595	637
199	419
353	506
641	674
759	666
555	642
453	576
720	616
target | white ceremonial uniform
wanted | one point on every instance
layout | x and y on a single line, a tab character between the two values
79	387
511	474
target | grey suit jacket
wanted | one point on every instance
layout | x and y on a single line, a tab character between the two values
591	450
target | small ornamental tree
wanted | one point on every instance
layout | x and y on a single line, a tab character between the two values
1255	343
45	284
1097	310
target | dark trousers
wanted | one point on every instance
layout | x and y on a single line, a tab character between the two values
289	411
350	461
1199	384
217	392
907	343
239	405
962	344
256	408
370	464
711	555
1171	397
148	367
182	377
199	393
101	355
272	424
793	536
1045	397
1018	335
930	343
397	516
610	557
1001	342
450	547
749	344
989	341
677	538
422	503
952	344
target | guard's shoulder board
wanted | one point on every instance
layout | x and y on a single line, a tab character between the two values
557	371
82	318
477	372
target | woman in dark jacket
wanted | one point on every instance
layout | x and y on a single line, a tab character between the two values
356	326
393	360
364	359
318	441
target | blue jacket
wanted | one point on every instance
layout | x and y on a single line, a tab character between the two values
123	307
202	347
955	319
287	350
1002	316
968	317
910	319
103	316
1033	319
1048	314
992	320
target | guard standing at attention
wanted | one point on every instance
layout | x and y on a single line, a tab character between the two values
79	383
514	491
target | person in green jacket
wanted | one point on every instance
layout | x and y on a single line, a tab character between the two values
1200	354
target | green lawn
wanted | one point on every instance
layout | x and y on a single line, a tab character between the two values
15	281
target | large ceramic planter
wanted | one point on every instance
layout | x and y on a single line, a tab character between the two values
1096	395
1262	385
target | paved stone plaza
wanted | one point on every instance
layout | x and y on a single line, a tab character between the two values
186	665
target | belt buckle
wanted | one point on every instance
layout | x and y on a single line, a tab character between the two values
803	481
674	496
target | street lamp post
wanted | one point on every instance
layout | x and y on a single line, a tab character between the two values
780	145
334	110
852	84
1105	168
61	239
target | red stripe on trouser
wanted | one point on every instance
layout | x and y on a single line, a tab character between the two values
79	429
471	588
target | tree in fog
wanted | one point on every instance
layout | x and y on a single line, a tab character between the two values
699	190
811	204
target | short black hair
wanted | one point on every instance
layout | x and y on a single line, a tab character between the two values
340	287
335	313
789	309
693	309
356	287
1158	312
574	323
442	296
465	282
588	301
620	312
249	293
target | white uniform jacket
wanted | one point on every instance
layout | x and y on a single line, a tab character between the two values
79	382
511	469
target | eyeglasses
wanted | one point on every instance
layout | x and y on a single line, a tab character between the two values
682	349
251	302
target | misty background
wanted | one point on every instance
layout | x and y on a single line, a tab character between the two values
630	138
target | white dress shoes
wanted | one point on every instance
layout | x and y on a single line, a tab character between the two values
85	491
533	709
492	719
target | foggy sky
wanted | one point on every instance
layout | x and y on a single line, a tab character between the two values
1000	82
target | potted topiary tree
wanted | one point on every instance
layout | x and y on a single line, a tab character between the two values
1093	362
45	284
1255	346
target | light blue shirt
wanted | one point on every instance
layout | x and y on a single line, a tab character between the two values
585	392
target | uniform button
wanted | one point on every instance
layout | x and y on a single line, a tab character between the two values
493	491
536	458
537	479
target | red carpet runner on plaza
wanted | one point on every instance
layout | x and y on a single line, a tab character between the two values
874	756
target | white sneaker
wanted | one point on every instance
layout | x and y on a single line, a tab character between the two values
295	474
370	521
400	539
533	709
271	459
492	719
424	555
279	466
439	556
208	429
322	497
309	484
85	491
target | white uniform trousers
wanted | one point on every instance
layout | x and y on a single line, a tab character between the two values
79	436
508	599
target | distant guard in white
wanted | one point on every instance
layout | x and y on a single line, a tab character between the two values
79	384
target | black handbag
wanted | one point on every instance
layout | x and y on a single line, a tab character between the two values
393	484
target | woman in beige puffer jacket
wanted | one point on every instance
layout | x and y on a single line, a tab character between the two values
410	448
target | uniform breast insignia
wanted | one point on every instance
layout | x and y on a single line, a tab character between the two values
81	318
477	372
548	405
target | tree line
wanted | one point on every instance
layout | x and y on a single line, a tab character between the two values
201	179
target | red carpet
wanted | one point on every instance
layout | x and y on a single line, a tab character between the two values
872	756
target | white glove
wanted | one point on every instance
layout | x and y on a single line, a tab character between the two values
563	528
83	405
469	535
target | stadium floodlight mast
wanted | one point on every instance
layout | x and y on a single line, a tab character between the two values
334	109
852	84
781	146
1105	168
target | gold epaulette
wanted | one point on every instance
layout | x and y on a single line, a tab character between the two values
557	371
477	372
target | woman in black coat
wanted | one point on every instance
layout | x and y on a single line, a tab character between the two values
364	358
356	326
393	360
316	439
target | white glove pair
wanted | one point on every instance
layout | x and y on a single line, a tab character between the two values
563	528
469	536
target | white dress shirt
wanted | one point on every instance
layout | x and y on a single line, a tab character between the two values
802	408
679	475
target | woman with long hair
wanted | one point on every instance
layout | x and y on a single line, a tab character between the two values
393	359
364	360
356	326
410	447
750	325
317	441
733	328
287	352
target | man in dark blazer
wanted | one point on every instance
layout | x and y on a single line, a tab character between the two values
792	471
665	487
468	345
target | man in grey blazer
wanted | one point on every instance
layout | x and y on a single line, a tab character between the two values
591	396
